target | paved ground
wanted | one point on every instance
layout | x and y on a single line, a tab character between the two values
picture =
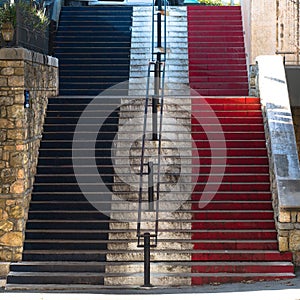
278	290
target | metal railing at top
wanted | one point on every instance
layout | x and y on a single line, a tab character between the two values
27	35
147	237
28	30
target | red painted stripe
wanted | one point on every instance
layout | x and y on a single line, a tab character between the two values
242	268
236	196
237	224
247	277
251	245
227	225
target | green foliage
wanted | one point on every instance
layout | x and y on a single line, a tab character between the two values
8	14
33	16
211	2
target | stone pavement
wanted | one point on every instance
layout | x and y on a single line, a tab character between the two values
275	290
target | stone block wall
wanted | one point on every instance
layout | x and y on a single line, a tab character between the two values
21	130
288	226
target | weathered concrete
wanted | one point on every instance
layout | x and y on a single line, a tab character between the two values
174	222
296	119
176	75
281	142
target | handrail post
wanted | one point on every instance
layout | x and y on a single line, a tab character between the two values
150	187
147	260
157	74
155	101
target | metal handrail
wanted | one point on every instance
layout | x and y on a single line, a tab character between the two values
157	98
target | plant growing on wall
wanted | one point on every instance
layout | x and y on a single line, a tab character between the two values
33	16
8	14
211	2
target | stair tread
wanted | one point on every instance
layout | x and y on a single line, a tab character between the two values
158	262
49	274
154	274
208	252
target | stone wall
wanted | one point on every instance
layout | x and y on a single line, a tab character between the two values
271	27
296	119
259	19
20	135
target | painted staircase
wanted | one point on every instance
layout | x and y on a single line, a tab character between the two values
93	47
233	226
66	235
216	220
217	58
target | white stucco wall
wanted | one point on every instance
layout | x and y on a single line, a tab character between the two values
246	12
260	27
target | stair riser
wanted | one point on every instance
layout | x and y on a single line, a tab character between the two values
89	42
195	34
225	161
235	246
245	215
227	115
236	279
234	187
62	267
57	279
233	60
69	91
111	18
250	257
91	39
64	257
214	9
64	225
232	136
264	236
72	206
234	153
69	27
236	196
64	216
73	236
93	66
212	17
65	246
104	9
218	73
251	205
97	80
218	79
217	67
243	269
229	225
219	28
82	35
